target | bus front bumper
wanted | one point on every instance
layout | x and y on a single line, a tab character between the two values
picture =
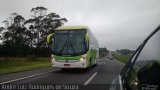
69	64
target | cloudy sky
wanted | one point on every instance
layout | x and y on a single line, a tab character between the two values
115	23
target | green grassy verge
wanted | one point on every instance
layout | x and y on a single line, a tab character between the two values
12	65
120	57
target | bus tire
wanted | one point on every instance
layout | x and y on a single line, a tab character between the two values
95	65
87	69
63	69
90	61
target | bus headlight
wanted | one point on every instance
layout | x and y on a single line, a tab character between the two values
53	58
82	59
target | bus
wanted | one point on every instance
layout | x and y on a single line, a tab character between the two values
73	47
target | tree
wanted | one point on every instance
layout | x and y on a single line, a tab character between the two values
23	37
15	36
1	29
41	24
52	21
103	52
125	51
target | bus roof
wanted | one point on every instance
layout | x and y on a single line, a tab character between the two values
75	27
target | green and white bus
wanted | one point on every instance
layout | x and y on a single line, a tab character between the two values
73	47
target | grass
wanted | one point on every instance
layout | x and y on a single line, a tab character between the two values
13	65
120	57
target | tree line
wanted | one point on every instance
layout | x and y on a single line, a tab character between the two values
125	51
103	52
22	37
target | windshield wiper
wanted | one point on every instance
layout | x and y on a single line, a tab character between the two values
73	48
65	44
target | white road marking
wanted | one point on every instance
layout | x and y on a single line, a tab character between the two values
25	77
89	80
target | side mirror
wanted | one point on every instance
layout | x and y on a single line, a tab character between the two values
149	74
49	38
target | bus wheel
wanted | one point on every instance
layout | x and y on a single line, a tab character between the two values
95	65
90	61
63	69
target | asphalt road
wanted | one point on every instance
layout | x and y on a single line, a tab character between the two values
97	78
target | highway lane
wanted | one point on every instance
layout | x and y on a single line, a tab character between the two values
99	77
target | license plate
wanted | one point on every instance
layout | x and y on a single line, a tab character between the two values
66	64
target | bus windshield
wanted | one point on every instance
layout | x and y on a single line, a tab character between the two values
69	42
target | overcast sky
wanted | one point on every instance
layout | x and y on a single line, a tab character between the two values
115	23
